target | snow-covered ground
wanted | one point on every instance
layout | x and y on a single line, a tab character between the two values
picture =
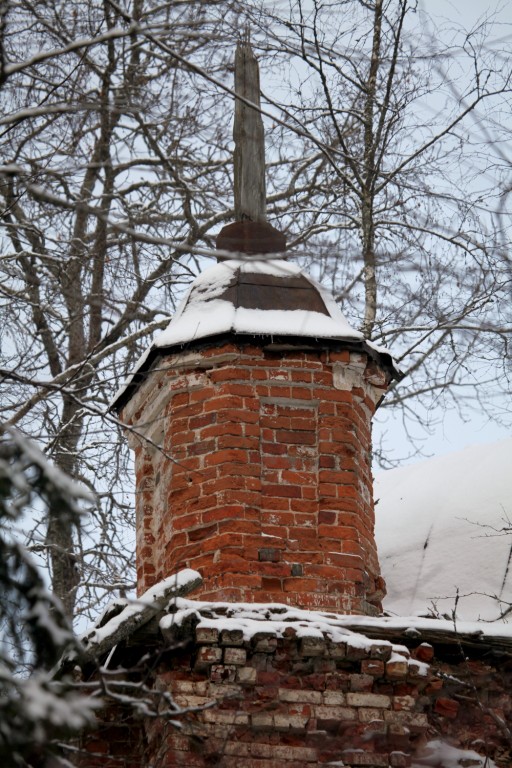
441	534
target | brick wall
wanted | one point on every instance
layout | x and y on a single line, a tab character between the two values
295	701
263	481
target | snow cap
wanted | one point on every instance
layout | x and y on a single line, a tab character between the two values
256	297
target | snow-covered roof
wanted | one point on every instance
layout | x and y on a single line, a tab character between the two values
246	296
442	538
254	296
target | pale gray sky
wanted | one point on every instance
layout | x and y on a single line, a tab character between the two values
451	433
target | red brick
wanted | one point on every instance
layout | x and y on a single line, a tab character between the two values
337	476
250	582
447	708
180	399
273	504
297	584
281	390
238	526
341	532
206	531
328	490
336	395
302	393
274	449
230	374
342	356
248	498
306	506
218	430
327	517
233	455
241	415
328	572
201	447
424	652
348	492
373	667
287	491
235	388
271	584
273	421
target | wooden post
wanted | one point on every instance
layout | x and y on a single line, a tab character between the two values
250	233
249	160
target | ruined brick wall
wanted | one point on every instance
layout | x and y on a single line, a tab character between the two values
117	741
291	702
305	701
268	491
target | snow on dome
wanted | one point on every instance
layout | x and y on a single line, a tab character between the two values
441	531
257	297
254	297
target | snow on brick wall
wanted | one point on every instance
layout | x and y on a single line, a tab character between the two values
263	483
270	689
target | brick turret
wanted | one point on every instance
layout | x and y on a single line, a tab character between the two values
250	422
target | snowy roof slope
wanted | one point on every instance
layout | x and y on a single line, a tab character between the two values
254	297
207	310
439	529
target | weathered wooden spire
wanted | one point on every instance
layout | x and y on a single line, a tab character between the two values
250	196
250	233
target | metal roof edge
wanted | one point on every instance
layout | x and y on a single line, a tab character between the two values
383	357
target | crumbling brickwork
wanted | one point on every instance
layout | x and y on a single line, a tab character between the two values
263	482
295	701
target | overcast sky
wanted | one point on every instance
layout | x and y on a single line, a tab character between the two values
451	433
